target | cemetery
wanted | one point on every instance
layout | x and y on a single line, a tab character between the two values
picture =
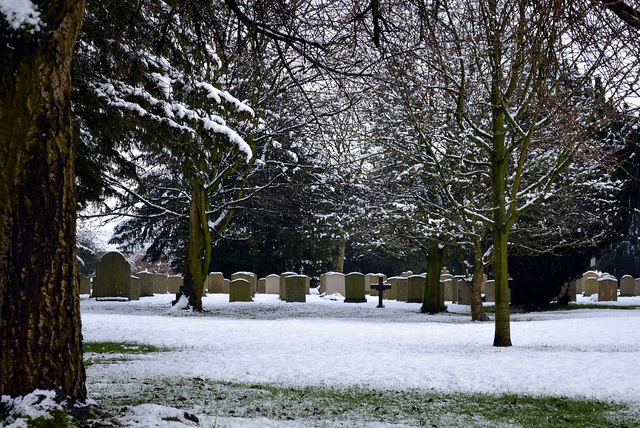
248	346
114	281
319	214
325	332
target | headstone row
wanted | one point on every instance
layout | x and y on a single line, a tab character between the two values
606	286
114	281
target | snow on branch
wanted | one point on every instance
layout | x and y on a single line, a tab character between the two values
169	112
217	94
19	12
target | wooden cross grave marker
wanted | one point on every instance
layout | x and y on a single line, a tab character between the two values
380	287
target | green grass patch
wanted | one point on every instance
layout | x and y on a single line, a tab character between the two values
55	419
113	352
552	307
358	405
120	348
555	307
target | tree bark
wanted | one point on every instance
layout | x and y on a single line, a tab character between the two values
431	296
475	289
198	248
502	335
40	331
499	160
341	255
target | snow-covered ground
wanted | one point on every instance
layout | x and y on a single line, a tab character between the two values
590	353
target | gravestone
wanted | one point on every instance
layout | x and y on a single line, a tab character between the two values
295	288
627	286
160	283
249	276
262	285
451	289
607	289
85	285
447	279
225	285
367	282
272	284
240	290
307	285
415	288
113	274
590	286
283	284
464	294
392	292
380	287
490	291
579	288
334	282
354	286
372	279
448	290
215	282
134	288
173	284
590	274
402	287
146	283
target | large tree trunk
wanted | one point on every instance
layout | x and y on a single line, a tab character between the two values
475	288
198	248
431	296
40	334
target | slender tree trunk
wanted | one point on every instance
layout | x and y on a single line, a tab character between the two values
502	335
40	332
499	161
475	289
198	248
341	255
431	296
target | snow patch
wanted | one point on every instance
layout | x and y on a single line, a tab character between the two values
38	404
18	12
183	303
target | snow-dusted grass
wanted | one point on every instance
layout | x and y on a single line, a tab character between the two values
305	360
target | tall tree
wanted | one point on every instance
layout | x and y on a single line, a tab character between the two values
158	68
500	99
40	338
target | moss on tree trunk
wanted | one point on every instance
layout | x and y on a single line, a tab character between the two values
198	248
40	332
431	299
500	228
475	288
